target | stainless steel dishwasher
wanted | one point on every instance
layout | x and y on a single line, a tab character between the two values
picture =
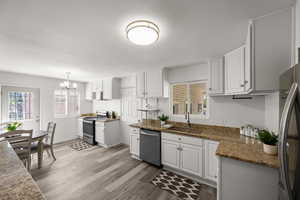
150	147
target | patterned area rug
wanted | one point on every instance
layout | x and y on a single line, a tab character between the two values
180	186
80	145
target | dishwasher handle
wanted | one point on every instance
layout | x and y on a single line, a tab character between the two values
147	134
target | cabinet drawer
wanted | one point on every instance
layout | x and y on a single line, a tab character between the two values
100	124
135	130
182	139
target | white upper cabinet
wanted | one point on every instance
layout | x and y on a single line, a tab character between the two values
248	83
111	88
89	91
272	36
234	71
141	84
216	76
152	84
256	66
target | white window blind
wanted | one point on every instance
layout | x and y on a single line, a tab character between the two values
189	97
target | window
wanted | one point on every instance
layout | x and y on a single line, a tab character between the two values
66	103
20	106
189	97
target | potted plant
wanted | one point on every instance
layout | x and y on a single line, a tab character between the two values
163	118
13	126
114	115
269	140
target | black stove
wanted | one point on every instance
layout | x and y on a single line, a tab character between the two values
89	128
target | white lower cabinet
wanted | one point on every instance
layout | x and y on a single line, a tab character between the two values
80	127
183	153
108	133
191	159
191	155
211	160
134	139
170	153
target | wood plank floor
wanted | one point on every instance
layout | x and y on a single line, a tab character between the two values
99	173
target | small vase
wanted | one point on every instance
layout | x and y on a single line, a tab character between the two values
162	123
270	149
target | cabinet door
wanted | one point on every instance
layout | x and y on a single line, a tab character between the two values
154	83
170	153
107	88
191	159
89	91
140	84
216	76
100	138
135	144
211	160
234	71
248	60
80	128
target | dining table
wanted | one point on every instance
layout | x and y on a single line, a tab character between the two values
37	136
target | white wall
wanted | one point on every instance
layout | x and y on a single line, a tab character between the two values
272	112
193	72
66	128
107	105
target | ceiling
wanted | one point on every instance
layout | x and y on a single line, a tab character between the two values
87	38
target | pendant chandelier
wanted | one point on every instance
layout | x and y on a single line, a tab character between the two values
67	84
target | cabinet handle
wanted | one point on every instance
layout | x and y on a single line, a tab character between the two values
245	82
209	88
242	85
179	138
216	176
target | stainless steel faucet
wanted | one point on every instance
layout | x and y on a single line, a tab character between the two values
187	117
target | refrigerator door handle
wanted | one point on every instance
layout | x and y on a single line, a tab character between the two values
283	131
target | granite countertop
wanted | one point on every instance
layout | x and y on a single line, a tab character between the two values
231	144
15	181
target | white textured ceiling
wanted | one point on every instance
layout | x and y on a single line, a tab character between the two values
87	38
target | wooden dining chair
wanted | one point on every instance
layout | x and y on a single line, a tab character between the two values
48	143
20	140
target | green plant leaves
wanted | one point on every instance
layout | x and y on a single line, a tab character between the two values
267	138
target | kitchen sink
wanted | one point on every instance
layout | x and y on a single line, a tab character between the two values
185	129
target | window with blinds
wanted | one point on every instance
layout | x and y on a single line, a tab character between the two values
189	97
66	103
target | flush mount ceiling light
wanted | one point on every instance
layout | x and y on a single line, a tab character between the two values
142	32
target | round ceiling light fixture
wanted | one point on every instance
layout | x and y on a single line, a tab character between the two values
142	32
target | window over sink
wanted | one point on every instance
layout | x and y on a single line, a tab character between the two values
189	97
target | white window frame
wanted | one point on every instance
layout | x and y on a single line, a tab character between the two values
67	114
192	116
32	109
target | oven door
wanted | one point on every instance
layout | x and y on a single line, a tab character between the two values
89	132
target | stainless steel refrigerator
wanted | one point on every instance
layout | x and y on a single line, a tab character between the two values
289	135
